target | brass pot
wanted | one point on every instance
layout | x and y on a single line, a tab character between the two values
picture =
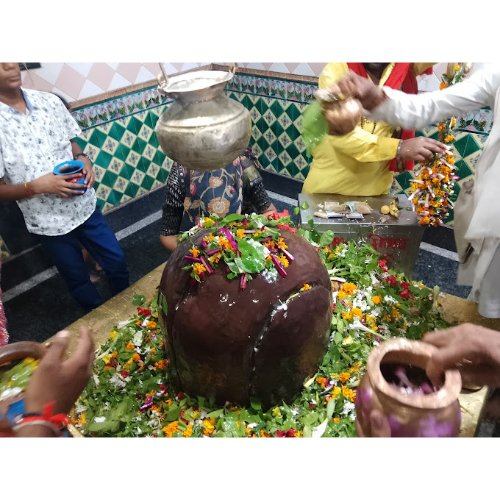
435	414
202	129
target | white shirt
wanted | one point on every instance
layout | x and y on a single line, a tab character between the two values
480	226
31	145
480	89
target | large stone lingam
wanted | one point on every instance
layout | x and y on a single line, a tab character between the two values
258	335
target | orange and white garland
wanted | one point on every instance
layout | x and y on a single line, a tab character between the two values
434	181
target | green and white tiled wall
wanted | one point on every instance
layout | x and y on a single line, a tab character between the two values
118	134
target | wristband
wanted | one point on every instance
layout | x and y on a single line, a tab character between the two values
47	418
43	423
398	151
28	189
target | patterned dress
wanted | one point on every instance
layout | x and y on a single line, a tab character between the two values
236	188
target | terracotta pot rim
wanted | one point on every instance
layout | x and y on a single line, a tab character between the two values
445	396
20	350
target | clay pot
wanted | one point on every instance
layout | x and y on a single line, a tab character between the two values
435	414
9	355
231	344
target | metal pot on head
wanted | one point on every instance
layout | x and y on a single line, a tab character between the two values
202	129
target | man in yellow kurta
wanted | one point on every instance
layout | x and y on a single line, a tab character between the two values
357	164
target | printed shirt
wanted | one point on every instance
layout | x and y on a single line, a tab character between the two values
31	145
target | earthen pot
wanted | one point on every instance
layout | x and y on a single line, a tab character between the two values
9	355
415	414
231	344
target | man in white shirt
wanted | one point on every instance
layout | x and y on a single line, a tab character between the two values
36	132
477	230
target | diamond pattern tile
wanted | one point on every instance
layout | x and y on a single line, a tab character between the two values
119	136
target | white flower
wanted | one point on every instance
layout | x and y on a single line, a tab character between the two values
251	426
348	408
99	420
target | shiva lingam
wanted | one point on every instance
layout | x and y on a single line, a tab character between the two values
396	385
342	114
231	343
202	129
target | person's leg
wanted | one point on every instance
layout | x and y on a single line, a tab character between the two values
66	253
98	238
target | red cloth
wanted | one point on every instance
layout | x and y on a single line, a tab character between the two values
401	78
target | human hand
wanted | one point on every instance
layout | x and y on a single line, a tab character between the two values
60	185
420	149
363	89
89	173
60	380
472	349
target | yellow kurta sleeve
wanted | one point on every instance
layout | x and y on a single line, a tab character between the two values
331	73
365	147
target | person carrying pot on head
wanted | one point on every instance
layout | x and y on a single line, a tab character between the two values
236	188
36	134
363	161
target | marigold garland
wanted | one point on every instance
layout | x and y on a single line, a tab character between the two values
434	181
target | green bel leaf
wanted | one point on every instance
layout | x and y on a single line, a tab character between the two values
326	238
138	300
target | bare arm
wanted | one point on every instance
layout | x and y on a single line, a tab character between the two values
419	111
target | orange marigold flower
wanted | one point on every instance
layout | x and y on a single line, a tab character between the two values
336	420
453	121
342	295
281	244
349	288
194	251
443	85
356	311
376	299
335	391
189	431
344	377
240	233
161	364
171	428
152	325
321	381
456	67
208	426
283	260
136	357
155	408
199	268
449	138
306	287
347	315
348	393
130	346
